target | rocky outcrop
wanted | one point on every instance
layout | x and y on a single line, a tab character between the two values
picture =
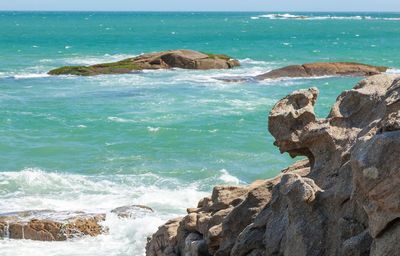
341	200
185	59
50	225
323	69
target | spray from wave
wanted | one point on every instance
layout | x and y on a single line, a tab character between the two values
35	189
288	16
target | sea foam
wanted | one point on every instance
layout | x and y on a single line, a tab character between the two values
288	16
36	189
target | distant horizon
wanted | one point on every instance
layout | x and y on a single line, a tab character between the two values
203	6
182	11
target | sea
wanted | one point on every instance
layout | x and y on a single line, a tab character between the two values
157	138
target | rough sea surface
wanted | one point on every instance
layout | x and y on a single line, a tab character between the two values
158	138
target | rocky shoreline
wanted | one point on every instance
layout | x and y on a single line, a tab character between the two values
341	200
49	225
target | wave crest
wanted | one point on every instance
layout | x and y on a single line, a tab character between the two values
288	16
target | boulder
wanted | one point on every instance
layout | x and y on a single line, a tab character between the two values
323	69
49	225
185	59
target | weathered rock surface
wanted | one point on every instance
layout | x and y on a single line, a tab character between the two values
342	200
185	59
49	225
324	69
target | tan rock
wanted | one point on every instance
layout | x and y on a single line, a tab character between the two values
342	200
324	69
50	225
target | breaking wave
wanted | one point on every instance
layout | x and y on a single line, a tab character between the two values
288	16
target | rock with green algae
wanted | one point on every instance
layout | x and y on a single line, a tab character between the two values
185	59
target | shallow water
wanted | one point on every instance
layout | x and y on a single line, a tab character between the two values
158	138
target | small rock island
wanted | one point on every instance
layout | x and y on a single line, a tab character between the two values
185	59
324	69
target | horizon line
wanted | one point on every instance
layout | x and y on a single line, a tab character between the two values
198	11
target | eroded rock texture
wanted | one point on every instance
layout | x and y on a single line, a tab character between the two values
343	199
49	225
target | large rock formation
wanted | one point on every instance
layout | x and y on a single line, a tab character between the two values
341	200
185	59
49	225
323	69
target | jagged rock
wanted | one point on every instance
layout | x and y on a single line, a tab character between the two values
164	241
341	200
185	59
215	222
132	211
324	69
235	222
50	225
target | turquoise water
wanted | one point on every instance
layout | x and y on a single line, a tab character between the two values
159	138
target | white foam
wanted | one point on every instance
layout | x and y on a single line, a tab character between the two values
29	76
393	71
153	129
35	189
254	62
120	120
288	16
228	178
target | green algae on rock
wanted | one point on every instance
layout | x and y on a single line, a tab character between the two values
185	59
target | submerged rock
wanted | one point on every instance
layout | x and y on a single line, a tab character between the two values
342	200
132	211
185	59
49	225
323	69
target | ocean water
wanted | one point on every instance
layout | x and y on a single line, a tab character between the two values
158	138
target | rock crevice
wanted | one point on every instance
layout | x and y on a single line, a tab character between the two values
343	199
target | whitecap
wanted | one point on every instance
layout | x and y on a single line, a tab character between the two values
119	119
28	76
249	61
288	16
228	178
393	71
153	129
